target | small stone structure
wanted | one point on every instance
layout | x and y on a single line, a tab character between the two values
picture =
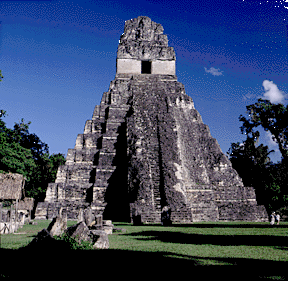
11	189
146	148
26	206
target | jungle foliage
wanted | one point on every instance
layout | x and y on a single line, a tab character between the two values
24	153
252	161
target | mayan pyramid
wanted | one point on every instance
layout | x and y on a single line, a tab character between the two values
146	148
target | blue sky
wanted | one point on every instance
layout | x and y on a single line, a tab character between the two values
58	57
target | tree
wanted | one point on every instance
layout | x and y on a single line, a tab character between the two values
250	160
276	186
16	159
253	163
273	118
13	157
31	141
55	161
24	153
2	113
1	77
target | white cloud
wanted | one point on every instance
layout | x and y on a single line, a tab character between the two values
214	71
272	93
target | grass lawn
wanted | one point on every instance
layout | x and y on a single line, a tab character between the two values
254	250
25	234
206	243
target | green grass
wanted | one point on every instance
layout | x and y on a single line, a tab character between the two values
207	244
234	245
25	235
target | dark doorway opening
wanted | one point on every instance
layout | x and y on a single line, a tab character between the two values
146	67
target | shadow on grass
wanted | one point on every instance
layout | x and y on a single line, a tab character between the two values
231	225
58	261
216	225
222	240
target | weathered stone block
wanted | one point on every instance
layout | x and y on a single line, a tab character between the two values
100	239
57	226
80	232
88	216
108	228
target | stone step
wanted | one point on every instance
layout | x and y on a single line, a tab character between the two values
99	193
87	140
116	113
92	126
109	143
85	155
106	159
102	176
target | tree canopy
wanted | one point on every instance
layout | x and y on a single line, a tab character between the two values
24	153
272	118
252	161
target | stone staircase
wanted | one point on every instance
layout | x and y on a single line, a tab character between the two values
84	179
108	160
150	107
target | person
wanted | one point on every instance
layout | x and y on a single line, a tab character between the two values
165	216
277	217
272	218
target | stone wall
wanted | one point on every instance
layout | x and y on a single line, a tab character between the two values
133	66
163	67
128	66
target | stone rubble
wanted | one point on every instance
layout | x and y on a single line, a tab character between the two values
96	234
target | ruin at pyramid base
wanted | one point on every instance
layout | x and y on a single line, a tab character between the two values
146	152
219	210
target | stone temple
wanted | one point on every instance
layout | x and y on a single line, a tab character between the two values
146	148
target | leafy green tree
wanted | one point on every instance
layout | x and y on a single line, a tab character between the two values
44	173
24	153
55	161
1	77
31	141
273	118
2	113
13	157
16	159
253	163
276	186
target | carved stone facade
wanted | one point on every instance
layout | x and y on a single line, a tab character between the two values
146	148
